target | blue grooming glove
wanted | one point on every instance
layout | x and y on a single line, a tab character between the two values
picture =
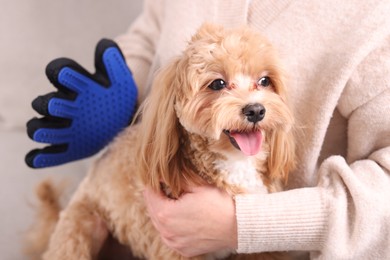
86	112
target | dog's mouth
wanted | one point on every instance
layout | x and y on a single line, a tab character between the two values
248	142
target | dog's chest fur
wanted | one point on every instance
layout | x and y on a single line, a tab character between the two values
230	169
241	172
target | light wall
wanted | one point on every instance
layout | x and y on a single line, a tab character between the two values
35	32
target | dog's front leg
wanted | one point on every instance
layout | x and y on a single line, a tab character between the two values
79	234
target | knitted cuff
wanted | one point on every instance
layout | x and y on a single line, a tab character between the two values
284	221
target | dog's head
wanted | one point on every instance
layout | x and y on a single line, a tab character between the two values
226	87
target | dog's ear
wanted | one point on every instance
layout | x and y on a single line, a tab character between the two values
282	141
159	150
281	159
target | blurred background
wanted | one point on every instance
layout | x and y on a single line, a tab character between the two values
32	34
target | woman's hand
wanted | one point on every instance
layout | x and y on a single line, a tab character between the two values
201	221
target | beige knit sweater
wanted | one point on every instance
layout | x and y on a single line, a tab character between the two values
337	54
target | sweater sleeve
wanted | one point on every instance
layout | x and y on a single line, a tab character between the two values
139	43
347	215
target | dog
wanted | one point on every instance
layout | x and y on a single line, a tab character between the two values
218	114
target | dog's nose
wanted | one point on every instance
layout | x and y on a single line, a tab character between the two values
254	112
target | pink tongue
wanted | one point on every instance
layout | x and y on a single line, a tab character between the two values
249	143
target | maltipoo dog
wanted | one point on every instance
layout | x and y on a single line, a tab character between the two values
217	114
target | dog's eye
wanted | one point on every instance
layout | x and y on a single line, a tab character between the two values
217	84
264	82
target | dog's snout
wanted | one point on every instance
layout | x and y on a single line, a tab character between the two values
254	112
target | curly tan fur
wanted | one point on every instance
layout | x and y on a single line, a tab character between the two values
181	141
48	212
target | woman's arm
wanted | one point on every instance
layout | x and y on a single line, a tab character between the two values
138	44
347	214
